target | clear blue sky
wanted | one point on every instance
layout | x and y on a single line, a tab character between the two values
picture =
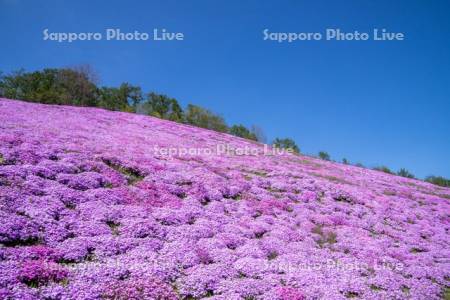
371	102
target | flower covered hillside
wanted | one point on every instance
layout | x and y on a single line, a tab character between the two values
97	204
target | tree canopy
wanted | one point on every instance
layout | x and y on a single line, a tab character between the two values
202	117
324	155
286	143
243	132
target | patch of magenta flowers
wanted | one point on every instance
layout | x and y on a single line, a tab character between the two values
88	211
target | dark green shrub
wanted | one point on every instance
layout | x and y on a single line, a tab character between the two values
324	155
438	180
243	132
286	143
163	107
202	117
383	169
405	173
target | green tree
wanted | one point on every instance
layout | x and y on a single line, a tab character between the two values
202	117
405	173
163	107
111	98
124	98
243	132
286	143
438	180
76	87
324	155
345	161
383	169
36	86
51	86
130	94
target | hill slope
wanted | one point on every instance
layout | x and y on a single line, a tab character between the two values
91	207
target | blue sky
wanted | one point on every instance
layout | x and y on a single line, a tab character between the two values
372	102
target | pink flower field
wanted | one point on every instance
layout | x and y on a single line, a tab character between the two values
97	204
